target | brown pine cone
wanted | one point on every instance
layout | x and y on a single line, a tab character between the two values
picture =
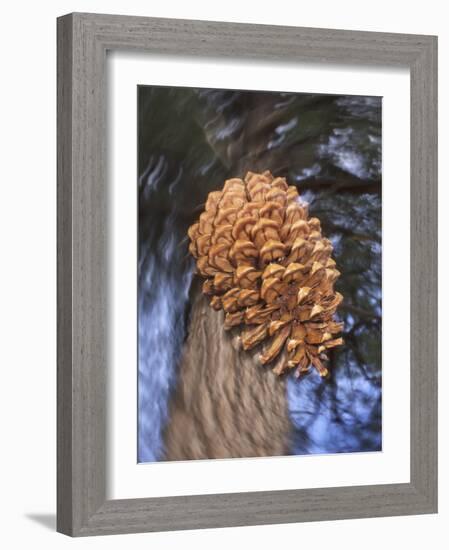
266	264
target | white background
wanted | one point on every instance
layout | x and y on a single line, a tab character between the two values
27	300
392	465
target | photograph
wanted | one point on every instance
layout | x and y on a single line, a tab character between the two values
221	277
259	273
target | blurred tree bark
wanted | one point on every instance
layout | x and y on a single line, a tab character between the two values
225	404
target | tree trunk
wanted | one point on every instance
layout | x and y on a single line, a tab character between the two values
225	404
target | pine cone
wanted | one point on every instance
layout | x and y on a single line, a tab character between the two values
266	264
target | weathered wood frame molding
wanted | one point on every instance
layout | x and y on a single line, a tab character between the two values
83	40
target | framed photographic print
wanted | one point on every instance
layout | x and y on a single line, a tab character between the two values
246	274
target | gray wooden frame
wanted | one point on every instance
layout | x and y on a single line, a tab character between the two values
83	40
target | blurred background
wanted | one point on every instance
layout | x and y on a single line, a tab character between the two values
190	141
